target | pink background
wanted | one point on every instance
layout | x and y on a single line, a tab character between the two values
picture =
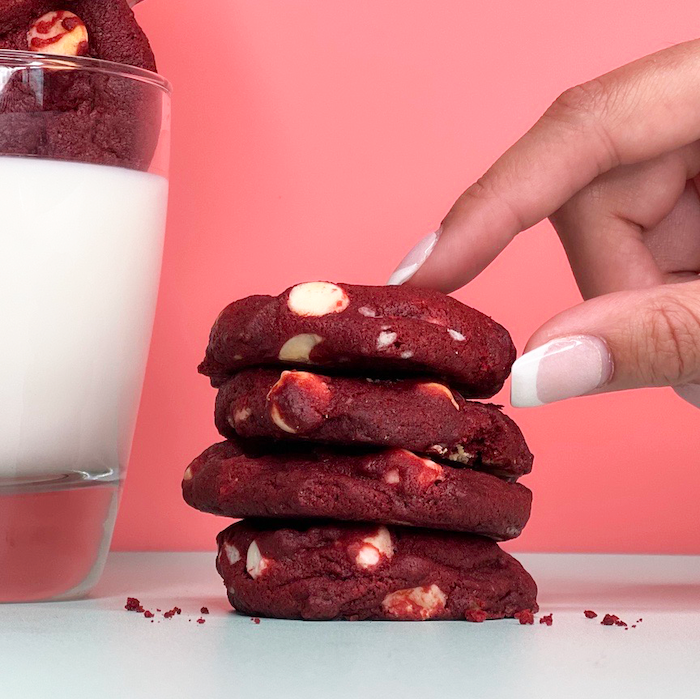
317	139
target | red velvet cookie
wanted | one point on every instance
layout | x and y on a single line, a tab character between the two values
78	115
421	416
390	486
375	331
335	571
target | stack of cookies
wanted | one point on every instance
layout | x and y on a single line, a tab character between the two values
373	488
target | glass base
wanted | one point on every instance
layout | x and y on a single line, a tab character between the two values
54	536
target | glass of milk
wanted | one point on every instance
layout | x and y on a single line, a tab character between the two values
83	191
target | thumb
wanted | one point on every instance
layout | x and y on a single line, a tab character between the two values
629	339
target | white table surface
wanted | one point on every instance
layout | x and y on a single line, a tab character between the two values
94	648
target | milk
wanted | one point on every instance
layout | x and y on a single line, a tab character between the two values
80	256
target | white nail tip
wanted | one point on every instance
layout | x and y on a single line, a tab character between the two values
562	368
523	387
414	260
402	275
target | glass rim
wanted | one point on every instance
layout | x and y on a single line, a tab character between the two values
31	59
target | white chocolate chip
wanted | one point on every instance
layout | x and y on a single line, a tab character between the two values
385	339
60	33
425	602
440	388
242	415
392	477
276	417
317	299
455	335
310	383
367	557
188	474
367	312
305	379
462	456
431	472
237	357
232	553
428	472
374	547
255	563
407	354
298	348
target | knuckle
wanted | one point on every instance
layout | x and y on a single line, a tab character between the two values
586	110
673	341
581	103
487	190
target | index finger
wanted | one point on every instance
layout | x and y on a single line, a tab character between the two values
632	114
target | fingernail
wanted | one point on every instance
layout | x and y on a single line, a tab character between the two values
690	393
415	259
562	368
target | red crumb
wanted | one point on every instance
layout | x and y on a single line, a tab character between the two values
525	617
590	614
204	610
255	620
133	605
547	619
200	620
475	615
612	619
639	620
172	612
148	614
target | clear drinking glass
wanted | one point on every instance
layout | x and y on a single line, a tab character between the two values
84	148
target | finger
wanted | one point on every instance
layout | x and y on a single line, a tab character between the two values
589	130
629	339
604	227
675	241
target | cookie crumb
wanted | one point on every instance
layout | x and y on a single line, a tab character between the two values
201	620
612	620
546	619
204	610
525	617
133	605
148	614
590	614
255	619
172	612
475	615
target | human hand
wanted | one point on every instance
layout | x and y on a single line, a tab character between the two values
614	164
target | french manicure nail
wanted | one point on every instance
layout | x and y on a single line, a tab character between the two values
690	393
562	368
415	259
